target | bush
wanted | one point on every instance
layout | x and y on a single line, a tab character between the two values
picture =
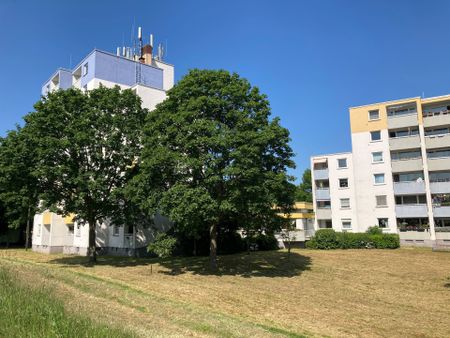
375	230
163	245
266	242
326	239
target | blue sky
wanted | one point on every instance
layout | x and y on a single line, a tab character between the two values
313	59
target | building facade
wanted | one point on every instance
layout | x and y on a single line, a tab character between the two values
396	177
149	77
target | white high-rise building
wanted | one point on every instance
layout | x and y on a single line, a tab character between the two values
149	77
396	177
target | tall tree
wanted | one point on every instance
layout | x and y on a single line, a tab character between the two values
19	187
88	147
304	190
212	157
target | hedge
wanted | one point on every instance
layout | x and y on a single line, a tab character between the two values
326	239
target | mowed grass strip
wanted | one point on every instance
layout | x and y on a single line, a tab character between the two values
342	293
30	312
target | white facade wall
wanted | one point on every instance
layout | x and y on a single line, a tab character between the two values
365	187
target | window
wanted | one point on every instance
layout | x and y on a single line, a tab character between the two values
411	199
437	131
129	230
346	224
439	153
85	69
323	204
342	163
406	155
70	229
440	176
343	183
375	135
381	200
374	115
412	131
39	228
378	178
115	230
401	110
345	203
78	232
409	177
383	223
377	157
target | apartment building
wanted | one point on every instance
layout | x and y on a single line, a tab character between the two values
397	175
129	68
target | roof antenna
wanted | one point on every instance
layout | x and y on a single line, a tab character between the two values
423	95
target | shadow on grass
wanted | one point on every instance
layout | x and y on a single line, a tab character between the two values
257	264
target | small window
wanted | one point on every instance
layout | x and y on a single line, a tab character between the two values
343	183
374	115
78	231
346	224
342	163
383	223
378	178
377	157
129	230
115	230
85	69
345	203
375	135
381	200
70	229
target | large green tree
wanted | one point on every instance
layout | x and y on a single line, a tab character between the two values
88	149
213	158
304	189
19	189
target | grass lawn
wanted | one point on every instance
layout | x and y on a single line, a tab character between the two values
342	293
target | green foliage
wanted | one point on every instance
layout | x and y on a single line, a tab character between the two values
329	239
213	159
163	245
88	148
375	230
29	312
266	242
19	185
304	189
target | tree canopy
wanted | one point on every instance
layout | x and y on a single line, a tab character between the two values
19	188
88	146
213	158
304	189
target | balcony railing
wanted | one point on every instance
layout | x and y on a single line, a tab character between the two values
441	211
400	121
405	142
438	164
404	188
440	187
323	213
322	194
320	174
414	164
436	120
411	211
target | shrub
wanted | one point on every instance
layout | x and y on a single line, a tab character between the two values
324	239
375	230
163	245
329	239
266	242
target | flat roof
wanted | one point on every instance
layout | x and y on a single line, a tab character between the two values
424	100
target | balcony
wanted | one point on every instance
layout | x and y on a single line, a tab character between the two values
406	188
323	213
411	211
439	163
320	174
440	187
441	211
437	141
322	194
436	120
402	121
407	142
414	164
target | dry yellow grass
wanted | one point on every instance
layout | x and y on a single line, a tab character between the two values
361	293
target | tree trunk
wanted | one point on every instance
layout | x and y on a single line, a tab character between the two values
92	252
27	231
213	247
195	247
